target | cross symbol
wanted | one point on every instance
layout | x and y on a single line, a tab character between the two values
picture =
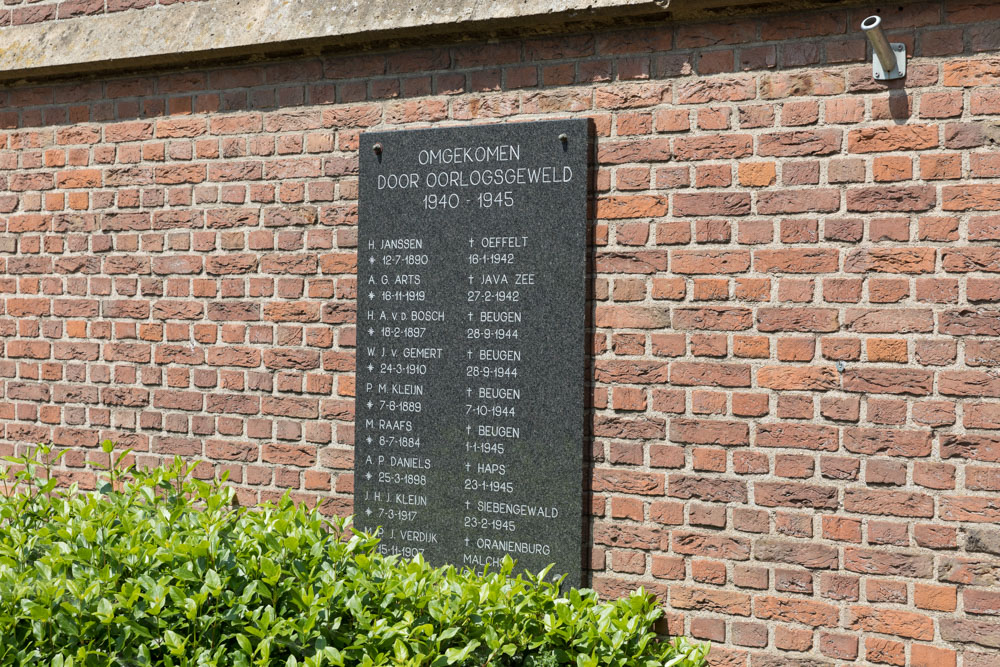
371	295
369	404
371	260
368	511
370	331
370	368
368	475
369	439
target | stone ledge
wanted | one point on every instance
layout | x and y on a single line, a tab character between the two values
224	30
191	32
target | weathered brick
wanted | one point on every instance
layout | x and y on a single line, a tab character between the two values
718	89
794	494
813	556
711	203
706	432
712	318
890	260
889	442
707	599
892	198
712	147
888	381
806	378
797	319
889	139
899	623
799	143
708	374
788	610
710	261
796	260
893	503
968	383
816	82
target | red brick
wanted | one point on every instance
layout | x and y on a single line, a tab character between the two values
817	82
706	599
892	138
795	260
789	610
711	203
712	318
891	503
790	638
970	197
930	656
631	206
643	151
797	319
885	651
940	166
891	622
799	143
709	374
796	290
794	494
798	378
798	201
712	147
891	198
710	261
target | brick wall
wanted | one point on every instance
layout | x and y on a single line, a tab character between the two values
23	12
795	333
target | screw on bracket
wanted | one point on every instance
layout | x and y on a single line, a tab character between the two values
377	148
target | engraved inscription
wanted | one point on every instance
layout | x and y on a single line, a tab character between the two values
469	387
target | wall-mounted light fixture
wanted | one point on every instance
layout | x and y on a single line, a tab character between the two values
888	60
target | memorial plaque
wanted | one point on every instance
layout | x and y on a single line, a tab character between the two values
470	343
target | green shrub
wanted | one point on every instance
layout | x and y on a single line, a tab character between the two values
157	568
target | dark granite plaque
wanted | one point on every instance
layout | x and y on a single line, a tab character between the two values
470	357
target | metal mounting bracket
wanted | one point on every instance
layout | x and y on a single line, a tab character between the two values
898	71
